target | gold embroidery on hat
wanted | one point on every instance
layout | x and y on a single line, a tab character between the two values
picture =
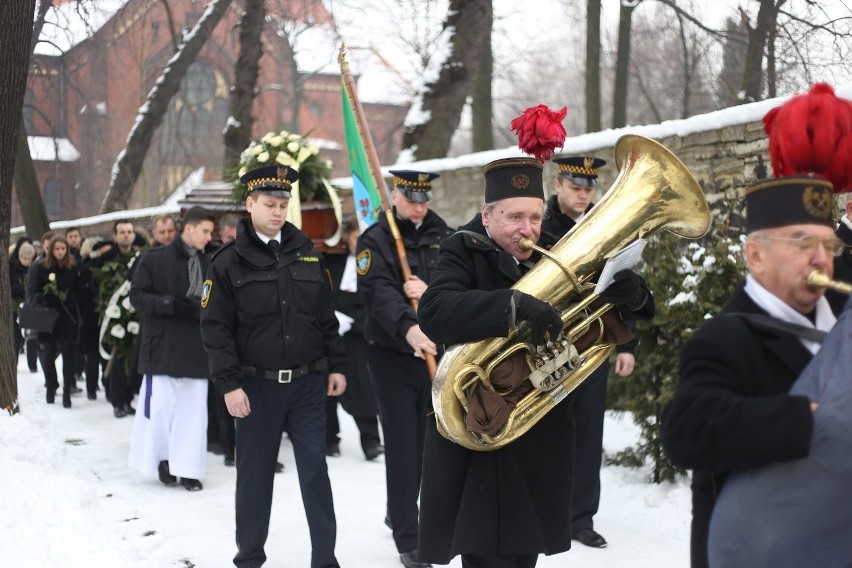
817	203
422	178
520	181
282	172
588	162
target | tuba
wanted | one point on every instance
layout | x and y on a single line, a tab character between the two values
654	191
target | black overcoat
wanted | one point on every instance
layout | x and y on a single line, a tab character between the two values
842	270
731	408
514	500
170	342
67	280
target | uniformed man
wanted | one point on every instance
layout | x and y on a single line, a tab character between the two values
501	508
842	263
270	332
397	346
575	185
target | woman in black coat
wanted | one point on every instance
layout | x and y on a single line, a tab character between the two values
55	282
19	261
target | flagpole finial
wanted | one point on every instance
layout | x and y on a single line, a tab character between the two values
341	55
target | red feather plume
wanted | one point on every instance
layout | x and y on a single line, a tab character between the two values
812	134
540	131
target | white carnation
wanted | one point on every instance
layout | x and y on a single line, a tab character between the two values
125	303
264	157
275	141
267	137
284	133
117	331
133	327
256	150
243	171
112	312
293	147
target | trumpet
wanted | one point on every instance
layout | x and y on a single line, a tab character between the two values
818	279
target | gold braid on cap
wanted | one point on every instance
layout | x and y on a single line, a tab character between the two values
254	183
412	184
571	169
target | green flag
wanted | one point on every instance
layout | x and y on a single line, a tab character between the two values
364	191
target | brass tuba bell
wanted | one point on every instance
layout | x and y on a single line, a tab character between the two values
654	191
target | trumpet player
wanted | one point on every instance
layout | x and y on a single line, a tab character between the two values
501	508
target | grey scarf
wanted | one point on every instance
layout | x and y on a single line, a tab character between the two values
196	278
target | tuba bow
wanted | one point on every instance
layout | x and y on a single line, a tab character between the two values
654	191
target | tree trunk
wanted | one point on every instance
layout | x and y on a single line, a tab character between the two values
483	134
593	66
238	130
757	36
622	65
468	21
17	18
27	190
128	164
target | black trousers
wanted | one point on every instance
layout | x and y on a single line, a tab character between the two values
32	349
589	409
47	355
118	382
499	560
368	426
299	409
225	425
403	391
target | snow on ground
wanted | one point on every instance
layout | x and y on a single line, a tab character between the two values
68	499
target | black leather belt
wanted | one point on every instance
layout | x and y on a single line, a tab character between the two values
287	375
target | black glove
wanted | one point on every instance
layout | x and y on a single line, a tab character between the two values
627	290
542	317
187	308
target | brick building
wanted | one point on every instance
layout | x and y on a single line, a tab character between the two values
98	59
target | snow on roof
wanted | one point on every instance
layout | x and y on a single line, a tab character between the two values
48	149
69	24
584	143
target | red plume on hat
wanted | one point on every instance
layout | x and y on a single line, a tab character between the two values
812	134
540	131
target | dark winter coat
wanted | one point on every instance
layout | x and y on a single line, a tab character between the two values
67	280
731	409
17	281
389	314
170	342
842	270
268	309
514	500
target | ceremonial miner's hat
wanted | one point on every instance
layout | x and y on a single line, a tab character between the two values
415	186
271	180
789	200
513	177
580	170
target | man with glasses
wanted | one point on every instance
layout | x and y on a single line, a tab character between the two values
731	409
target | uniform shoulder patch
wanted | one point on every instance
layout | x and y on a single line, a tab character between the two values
362	262
206	289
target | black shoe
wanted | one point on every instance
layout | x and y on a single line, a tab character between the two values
129	409
50	396
166	478
191	484
66	399
92	396
74	389
372	452
332	450
411	560
229	461
119	412
215	448
279	467
387	521
590	538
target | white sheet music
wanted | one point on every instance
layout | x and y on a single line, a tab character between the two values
623	259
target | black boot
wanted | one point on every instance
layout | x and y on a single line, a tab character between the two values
66	398
166	478
51	394
191	484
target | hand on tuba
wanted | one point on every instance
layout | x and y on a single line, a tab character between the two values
544	320
627	290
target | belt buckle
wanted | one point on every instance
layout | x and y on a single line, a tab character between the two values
285	376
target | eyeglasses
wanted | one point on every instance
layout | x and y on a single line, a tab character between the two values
807	244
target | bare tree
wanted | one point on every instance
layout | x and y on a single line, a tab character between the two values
128	164
237	133
444	98
482	105
622	64
17	18
593	65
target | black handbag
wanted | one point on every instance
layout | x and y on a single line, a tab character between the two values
37	318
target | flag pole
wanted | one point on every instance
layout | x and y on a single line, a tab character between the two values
379	181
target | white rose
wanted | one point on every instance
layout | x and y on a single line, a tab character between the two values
327	163
293	147
256	150
314	148
125	303
284	133
275	141
264	157
243	171
296	137
133	327
117	331
267	137
51	277
113	312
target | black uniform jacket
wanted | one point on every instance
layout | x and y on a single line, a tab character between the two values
389	313
266	310
516	499
731	409
842	270
170	343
